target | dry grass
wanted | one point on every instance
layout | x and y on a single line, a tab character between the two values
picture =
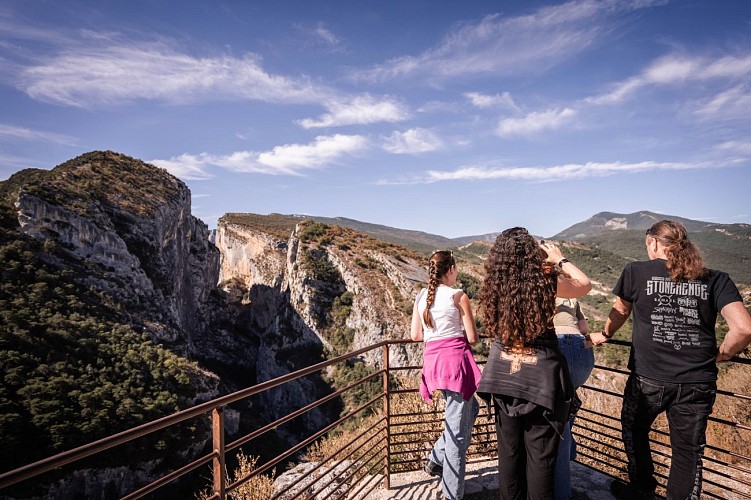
259	487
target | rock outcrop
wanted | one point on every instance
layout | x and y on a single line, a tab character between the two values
382	284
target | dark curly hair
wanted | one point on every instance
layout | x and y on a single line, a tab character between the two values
684	258
517	300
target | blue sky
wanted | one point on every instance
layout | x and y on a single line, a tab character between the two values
450	117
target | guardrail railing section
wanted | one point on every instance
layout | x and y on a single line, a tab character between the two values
386	428
727	461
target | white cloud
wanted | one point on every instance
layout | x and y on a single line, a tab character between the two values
484	101
289	159
360	110
186	167
509	45
322	36
677	70
105	71
415	140
535	122
743	147
107	74
329	38
733	103
560	172
546	174
23	133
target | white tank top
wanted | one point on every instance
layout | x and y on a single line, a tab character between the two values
446	317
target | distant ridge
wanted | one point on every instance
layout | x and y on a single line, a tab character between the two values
610	221
465	240
415	240
726	247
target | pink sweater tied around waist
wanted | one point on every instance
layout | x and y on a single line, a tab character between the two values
449	364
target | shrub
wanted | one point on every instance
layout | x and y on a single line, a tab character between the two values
259	487
311	230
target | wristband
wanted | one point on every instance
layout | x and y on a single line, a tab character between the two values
604	334
561	262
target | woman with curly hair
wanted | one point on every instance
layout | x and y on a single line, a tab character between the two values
442	318
526	378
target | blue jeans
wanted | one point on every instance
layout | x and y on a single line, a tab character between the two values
688	407
580	361
450	450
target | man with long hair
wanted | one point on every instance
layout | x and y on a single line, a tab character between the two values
674	299
525	378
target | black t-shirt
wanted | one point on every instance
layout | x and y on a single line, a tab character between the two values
674	322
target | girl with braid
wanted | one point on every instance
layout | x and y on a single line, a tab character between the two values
442	318
526	379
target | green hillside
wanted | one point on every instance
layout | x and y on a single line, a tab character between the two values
74	369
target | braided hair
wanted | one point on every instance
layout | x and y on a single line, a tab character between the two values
684	258
438	265
517	300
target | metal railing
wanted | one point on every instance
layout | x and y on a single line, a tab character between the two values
397	435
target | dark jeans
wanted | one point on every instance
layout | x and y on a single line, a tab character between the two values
527	449
688	407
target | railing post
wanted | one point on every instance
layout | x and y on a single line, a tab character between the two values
387	414
217	433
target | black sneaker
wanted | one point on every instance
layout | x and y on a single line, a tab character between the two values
433	468
626	491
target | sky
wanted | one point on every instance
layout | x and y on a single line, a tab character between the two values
451	117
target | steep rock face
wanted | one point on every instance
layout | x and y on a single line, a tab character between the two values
254	266
252	256
152	249
381	285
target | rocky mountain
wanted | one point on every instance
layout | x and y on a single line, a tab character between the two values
116	308
605	222
725	246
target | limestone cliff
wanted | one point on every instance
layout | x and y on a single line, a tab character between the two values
310	266
134	221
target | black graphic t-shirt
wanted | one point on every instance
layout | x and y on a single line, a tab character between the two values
674	322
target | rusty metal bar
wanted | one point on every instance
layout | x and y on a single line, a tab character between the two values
273	425
218	466
301	444
375	455
365	462
342	448
169	478
405	368
34	469
722	487
724	474
733	395
364	485
730	466
216	408
387	413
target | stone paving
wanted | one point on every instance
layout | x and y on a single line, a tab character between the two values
482	484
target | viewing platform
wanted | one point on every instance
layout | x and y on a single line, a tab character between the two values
382	454
482	484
